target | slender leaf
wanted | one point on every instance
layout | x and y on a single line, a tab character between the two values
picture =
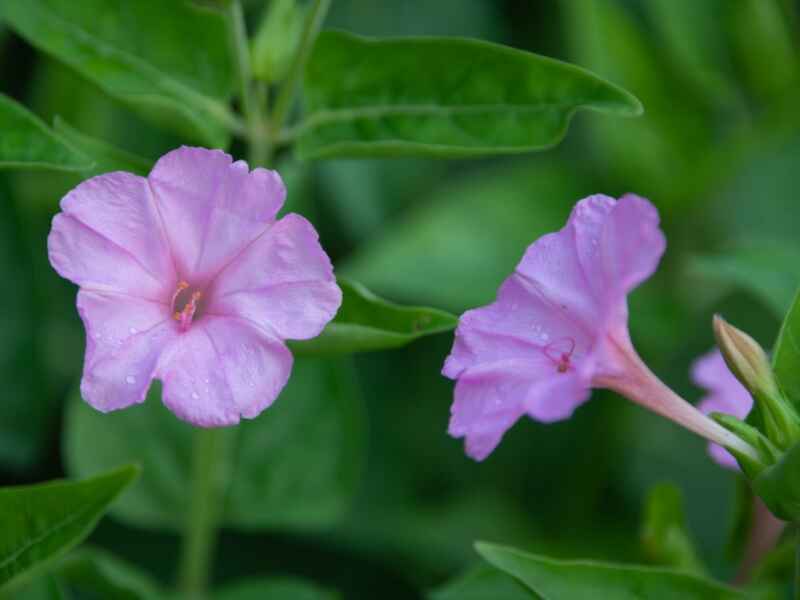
770	269
296	465
40	522
369	97
579	580
274	589
481	584
106	157
27	143
665	537
786	358
169	60
365	322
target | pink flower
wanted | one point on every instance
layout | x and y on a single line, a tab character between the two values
187	276
559	326
725	395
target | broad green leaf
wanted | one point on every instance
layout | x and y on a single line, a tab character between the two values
584	579
40	522
467	236
102	575
370	97
483	583
295	465
106	157
169	60
276	40
770	269
786	355
27	143
274	589
365	322
665	538
779	485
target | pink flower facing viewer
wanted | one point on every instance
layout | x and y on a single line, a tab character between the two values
187	276
559	326
725	394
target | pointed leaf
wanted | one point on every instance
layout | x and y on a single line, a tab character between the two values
106	157
40	522
366	322
483	583
101	574
370	97
584	579
169	60
27	143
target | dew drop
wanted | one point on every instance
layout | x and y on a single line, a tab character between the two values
130	379
133	331
195	396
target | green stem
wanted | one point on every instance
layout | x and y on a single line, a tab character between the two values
252	102
209	478
283	104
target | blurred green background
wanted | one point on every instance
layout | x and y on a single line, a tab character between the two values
717	151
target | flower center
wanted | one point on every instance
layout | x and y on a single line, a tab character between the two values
186	304
560	353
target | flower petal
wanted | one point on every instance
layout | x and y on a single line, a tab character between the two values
93	261
488	401
283	281
212	207
222	369
124	339
555	398
521	323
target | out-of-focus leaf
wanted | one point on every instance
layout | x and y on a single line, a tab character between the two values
278	481
665	538
763	36
169	60
786	356
606	38
276	40
770	269
274	589
365	322
368	97
40	522
467	237
27	417
779	485
106	157
483	583
99	573
579	580
27	143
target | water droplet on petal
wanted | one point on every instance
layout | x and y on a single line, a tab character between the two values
130	379
195	396
133	330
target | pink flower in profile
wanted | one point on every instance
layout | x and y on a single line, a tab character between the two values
187	276
725	394
559	327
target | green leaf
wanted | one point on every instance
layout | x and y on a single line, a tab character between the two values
169	60
27	143
665	538
770	269
779	485
106	157
101	574
41	522
274	589
365	322
467	236
786	356
581	579
369	97
296	466
483	583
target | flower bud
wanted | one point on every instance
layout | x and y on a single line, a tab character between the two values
748	361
